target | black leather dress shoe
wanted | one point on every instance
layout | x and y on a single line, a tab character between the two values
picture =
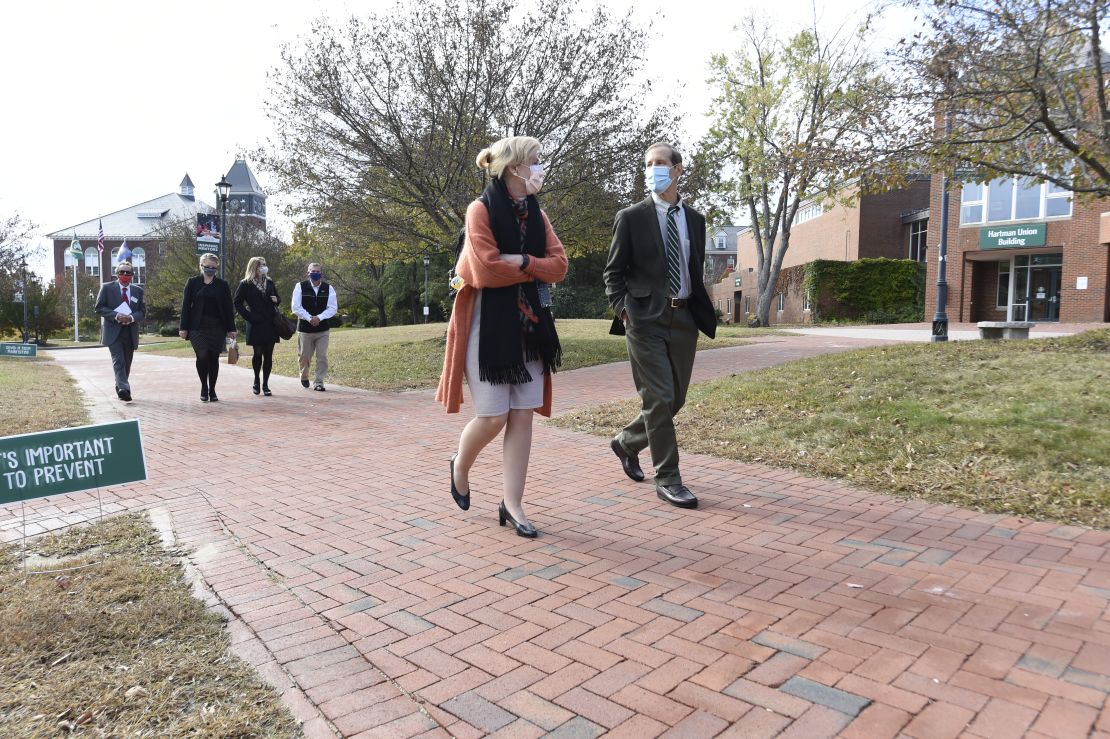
124	395
677	495
462	501
304	383
527	530
630	464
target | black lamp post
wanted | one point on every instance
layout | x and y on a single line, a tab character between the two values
223	190
23	291
940	318
427	261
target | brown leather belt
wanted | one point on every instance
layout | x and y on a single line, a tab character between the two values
679	302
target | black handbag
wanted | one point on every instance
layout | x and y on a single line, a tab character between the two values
283	327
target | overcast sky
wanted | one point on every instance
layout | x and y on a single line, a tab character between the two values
108	104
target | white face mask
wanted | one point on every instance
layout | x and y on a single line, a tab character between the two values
263	270
534	181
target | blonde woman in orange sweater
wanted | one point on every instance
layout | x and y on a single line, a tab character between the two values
501	336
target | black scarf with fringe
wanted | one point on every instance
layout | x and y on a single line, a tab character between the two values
515	328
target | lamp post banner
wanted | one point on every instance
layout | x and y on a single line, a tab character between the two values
70	460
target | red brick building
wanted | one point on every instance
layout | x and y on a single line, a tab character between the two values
1021	250
891	224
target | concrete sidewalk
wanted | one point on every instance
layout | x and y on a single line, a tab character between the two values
923	331
785	605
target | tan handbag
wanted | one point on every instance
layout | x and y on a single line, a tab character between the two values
233	352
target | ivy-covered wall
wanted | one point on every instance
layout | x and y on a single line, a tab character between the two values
873	290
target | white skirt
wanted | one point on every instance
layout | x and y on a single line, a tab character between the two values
497	400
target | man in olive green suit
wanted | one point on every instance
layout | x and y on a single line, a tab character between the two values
653	280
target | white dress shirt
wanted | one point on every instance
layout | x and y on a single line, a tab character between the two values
329	311
661	207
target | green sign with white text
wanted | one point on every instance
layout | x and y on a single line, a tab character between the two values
208	245
13	349
1012	237
70	460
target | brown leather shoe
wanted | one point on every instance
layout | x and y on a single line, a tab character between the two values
630	464
677	495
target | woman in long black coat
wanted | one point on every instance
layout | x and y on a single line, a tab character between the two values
256	300
207	320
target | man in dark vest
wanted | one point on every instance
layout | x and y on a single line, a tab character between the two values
314	304
653	282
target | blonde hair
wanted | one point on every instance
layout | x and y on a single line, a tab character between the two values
506	153
252	268
208	257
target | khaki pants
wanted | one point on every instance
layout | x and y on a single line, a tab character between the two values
317	343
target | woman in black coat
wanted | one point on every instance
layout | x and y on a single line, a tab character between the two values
256	300
207	317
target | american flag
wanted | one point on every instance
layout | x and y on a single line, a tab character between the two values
100	237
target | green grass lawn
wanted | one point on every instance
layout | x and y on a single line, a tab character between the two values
38	396
1020	427
119	646
411	357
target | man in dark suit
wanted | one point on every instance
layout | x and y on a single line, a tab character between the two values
121	308
653	280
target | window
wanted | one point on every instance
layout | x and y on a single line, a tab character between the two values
806	305
747	304
971	203
782	302
919	233
808	212
728	307
1057	201
1003	284
1012	200
92	262
138	261
720	242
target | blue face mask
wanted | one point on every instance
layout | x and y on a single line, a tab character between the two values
314	276
658	179
209	270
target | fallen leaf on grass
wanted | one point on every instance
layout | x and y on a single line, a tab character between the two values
136	690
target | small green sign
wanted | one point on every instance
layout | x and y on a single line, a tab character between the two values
16	349
70	460
208	245
1012	237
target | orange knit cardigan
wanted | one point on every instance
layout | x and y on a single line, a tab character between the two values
480	267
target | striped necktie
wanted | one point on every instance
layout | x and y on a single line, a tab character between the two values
674	253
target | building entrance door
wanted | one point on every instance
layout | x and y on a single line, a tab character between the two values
1044	293
1035	287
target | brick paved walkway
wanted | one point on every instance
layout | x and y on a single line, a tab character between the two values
784	606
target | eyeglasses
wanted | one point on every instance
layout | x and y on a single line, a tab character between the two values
121	272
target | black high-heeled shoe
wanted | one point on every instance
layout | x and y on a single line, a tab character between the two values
462	501
266	391
255	388
526	530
